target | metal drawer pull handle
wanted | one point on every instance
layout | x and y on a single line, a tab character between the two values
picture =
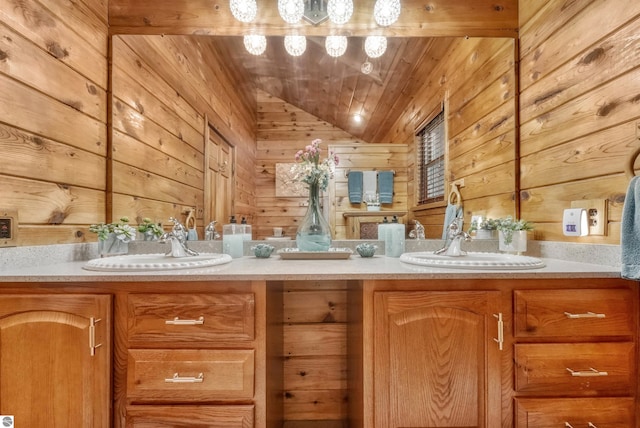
178	321
587	315
568	425
500	339
186	379
589	373
592	425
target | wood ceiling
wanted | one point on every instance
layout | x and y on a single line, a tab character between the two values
333	89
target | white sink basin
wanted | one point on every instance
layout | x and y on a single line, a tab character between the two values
473	261
151	262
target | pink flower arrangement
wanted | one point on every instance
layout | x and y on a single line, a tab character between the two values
310	169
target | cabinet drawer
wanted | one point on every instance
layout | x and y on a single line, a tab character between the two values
574	313
577	412
189	416
190	375
575	369
190	318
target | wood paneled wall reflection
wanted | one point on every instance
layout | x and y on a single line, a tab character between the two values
475	78
163	89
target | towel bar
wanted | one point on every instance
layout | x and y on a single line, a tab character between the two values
346	173
631	160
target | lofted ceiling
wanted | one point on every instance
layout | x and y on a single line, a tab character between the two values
333	89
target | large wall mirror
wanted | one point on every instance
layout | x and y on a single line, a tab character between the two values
168	90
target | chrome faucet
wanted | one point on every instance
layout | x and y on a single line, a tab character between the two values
455	236
418	231
210	232
177	237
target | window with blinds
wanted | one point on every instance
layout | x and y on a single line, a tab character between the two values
431	161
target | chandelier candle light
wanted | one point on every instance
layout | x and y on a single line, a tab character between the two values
244	10
314	231
255	44
336	45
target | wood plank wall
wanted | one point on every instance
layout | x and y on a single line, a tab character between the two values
315	348
163	88
283	129
53	117
475	78
579	108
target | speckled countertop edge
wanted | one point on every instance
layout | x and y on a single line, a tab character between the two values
63	263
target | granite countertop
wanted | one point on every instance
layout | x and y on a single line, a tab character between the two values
275	268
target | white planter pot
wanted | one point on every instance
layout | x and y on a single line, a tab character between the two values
518	242
486	234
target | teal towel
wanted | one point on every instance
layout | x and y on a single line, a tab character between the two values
354	184
451	213
630	232
385	187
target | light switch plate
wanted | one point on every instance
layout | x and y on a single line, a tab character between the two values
596	214
8	228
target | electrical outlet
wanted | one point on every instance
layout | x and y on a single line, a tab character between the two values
596	214
8	228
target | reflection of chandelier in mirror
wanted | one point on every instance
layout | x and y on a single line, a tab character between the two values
291	11
336	45
295	45
244	10
255	43
386	12
340	11
366	67
375	46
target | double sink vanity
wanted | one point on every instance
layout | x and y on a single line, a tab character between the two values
490	342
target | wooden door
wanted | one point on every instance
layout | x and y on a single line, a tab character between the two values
436	361
220	179
55	360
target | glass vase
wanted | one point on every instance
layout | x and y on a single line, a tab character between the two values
112	246
314	232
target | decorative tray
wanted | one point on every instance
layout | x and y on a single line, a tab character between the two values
332	254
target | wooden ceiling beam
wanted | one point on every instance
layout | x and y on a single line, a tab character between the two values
419	18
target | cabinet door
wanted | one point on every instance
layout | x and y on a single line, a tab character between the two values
436	361
55	360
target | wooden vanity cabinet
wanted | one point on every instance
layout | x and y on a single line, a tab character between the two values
437	359
575	357
493	353
55	360
194	355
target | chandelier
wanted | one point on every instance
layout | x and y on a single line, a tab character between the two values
340	11
244	10
295	45
291	11
386	12
375	46
255	44
336	45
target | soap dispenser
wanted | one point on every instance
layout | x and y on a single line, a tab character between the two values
247	235
232	239
382	229
394	242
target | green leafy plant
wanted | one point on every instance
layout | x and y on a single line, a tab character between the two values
122	229
147	226
509	225
484	224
